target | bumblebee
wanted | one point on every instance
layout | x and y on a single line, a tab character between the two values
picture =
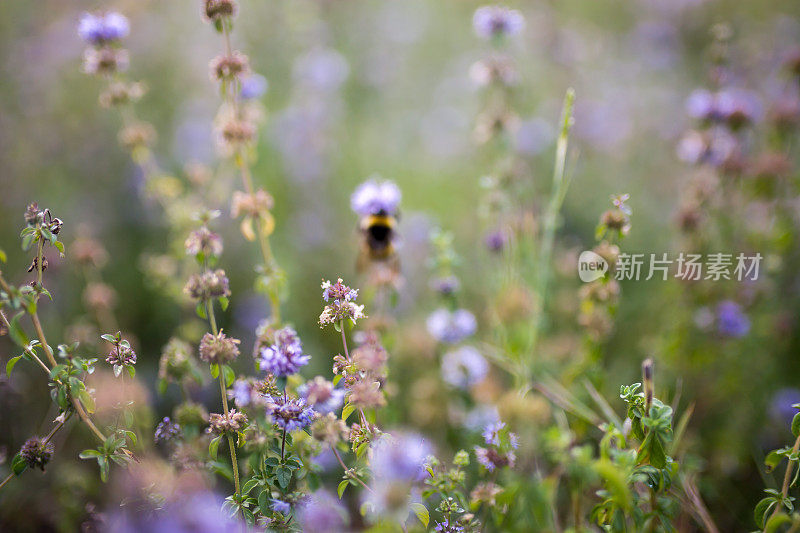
378	239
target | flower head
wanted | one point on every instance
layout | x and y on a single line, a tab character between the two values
341	304
218	349
280	506
464	367
501	444
221	424
209	284
204	241
36	452
491	22
285	356
97	29
329	429
321	394
376	198
253	86
176	361
121	355
289	413
731	320
214	10
321	512
167	430
399	457
451	326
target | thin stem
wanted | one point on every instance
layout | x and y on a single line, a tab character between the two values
344	339
39	250
283	444
6	480
344	467
27	349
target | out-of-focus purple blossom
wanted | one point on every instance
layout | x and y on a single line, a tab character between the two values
253	86
701	105
714	147
491	433
704	318
280	506
166	431
445	285
241	392
451	326
285	356
738	107
199	512
780	407
448	527
464	367
492	22
289	413
533	136
480	417
321	69
321	512
399	457
731	320
496	240
322	395
97	29
375	197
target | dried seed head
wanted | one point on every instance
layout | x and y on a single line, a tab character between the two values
214	10
229	67
209	284
218	349
36	453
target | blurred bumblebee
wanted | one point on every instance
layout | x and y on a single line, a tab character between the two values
378	241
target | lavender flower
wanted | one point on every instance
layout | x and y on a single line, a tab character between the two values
375	197
98	29
451	327
491	433
285	356
253	86
492	22
448	527
289	413
399	457
232	423
321	512
731	320
241	392
166	431
322	395
280	506
218	349
342	305
501	444
780	408
464	367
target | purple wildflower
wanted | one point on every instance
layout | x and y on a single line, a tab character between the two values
780	408
375	197
241	392
322	395
280	506
285	356
451	327
253	86
289	413
464	367
492	22
399	457
321	512
98	29
731	320
167	430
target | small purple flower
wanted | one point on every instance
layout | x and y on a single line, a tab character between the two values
241	392
375	197
98	29
253	86
280	506
464	367
496	240
321	395
167	430
321	512
491	434
445	285
731	320
285	356
451	327
492	22
399	457
737	106
780	408
289	413
448	527
701	105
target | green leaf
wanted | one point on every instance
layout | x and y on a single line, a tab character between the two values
128	418
263	502
796	425
162	386
223	302
11	363
228	375
250	485
347	411
131	371
422	513
59	245
342	486
761	510
3	257
201	311
109	337
18	465
214	371
284	476
213	446
87	400
89	454
777	521
16	332
104	467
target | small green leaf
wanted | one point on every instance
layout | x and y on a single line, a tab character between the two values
223	302
777	521
87	400
131	371
228	375
796	425
16	332
18	465
284	476
213	446
201	311
342	486
89	454
11	363
162	386
422	513
347	411
214	371
761	510
104	467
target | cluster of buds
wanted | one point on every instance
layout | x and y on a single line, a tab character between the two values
36	452
176	363
204	243
289	413
121	354
120	93
167	431
499	449
360	434
236	128
218	349
217	10
616	222
42	218
254	208
329	429
231	424
364	373
341	304
103	33
207	285
229	68
137	136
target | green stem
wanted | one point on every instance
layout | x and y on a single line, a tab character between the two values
787	479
